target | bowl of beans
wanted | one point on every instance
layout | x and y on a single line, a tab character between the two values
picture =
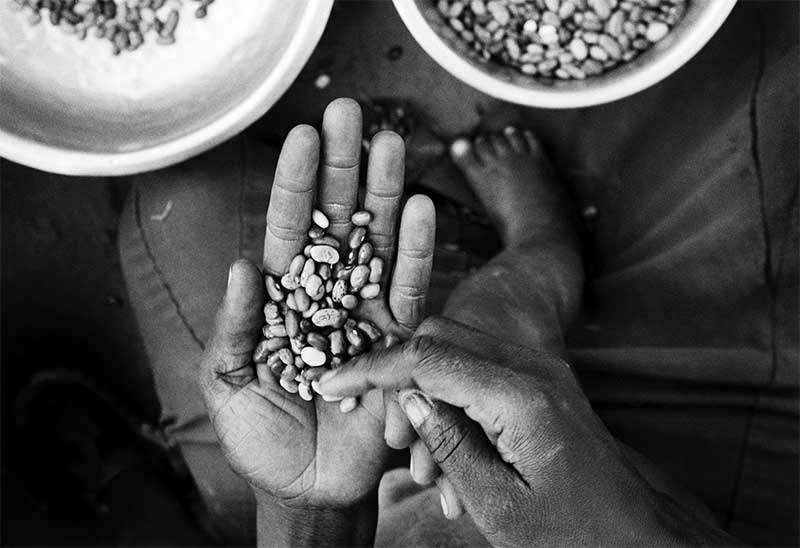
113	87
562	53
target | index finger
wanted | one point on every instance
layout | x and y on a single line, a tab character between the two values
341	158
440	370
291	199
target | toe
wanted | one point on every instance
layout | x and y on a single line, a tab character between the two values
533	142
463	154
501	144
515	139
484	150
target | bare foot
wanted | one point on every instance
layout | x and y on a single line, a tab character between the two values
531	292
516	183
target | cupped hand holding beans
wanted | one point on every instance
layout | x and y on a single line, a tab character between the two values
520	445
306	451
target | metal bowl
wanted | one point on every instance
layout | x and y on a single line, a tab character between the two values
71	107
701	20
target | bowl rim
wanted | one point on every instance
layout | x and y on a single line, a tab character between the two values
711	19
83	163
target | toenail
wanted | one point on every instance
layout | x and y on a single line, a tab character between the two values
460	147
589	212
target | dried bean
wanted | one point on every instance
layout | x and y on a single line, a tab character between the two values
370	330
312	284
318	341
324	271
554	37
327	317
286	356
375	270
349	301
320	219
312	309
261	353
288	385
365	253
309	268
361	218
290	282
290	371
302	299
370	291
357	236
348	404
292	323
277	330
359	277
312	374
273	289
276	343
313	357
325	254
305	392
338	345
326	240
271	310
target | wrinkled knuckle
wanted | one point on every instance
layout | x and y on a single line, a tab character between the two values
444	442
409	292
423	349
286	233
415	253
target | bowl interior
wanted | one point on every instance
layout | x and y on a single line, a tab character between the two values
701	20
75	95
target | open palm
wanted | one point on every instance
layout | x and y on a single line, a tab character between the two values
310	453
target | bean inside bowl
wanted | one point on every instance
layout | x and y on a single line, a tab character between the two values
71	106
446	44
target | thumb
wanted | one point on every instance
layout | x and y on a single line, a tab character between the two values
226	362
483	482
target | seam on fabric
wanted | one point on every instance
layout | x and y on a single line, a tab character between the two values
159	273
768	274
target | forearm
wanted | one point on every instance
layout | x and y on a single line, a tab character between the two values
279	525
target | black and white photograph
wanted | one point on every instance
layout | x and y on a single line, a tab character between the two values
400	273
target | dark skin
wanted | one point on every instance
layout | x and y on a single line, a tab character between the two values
508	434
303	458
513	433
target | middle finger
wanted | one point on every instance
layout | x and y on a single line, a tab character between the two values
341	156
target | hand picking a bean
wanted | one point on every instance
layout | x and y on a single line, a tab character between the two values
520	446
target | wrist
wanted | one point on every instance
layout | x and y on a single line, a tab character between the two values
280	524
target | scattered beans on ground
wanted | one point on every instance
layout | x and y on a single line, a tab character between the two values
563	39
308	326
126	24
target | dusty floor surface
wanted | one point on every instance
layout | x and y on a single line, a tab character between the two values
64	302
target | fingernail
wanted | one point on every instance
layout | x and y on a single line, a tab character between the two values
411	466
459	147
445	509
230	274
416	407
